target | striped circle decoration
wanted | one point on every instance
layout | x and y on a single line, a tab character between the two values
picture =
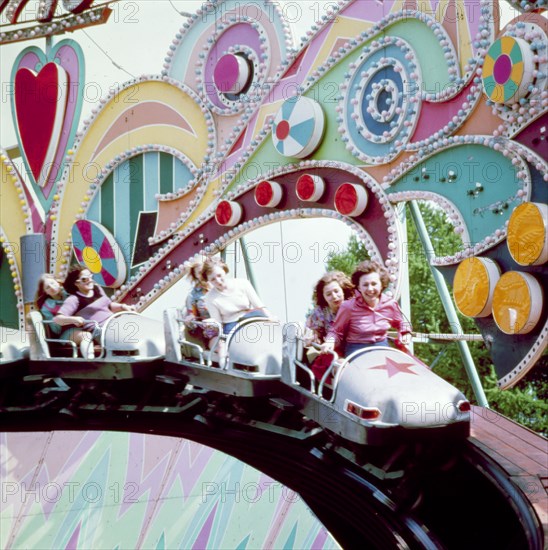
517	303
527	238
310	188
228	213
508	70
350	199
268	194
298	127
95	247
474	285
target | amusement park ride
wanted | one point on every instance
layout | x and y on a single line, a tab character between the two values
384	102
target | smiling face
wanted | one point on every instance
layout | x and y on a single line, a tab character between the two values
52	288
333	294
370	287
217	278
84	283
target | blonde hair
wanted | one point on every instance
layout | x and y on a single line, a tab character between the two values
210	264
193	270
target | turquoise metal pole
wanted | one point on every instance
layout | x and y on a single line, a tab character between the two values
448	306
405	299
248	266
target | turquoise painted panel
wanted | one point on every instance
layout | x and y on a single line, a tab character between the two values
118	490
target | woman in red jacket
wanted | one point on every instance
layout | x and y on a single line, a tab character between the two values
364	321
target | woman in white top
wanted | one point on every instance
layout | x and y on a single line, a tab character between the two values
230	300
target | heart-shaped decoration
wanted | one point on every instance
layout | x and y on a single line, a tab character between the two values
46	109
40	103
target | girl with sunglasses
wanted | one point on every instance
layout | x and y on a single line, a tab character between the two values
87	307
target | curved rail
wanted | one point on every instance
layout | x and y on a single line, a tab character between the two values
439	501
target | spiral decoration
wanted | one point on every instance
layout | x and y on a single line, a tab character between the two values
228	53
232	69
96	248
380	104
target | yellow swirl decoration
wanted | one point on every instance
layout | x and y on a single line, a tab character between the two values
527	239
474	285
517	303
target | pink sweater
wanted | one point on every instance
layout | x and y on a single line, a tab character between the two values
357	323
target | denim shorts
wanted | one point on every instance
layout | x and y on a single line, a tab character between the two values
227	327
351	347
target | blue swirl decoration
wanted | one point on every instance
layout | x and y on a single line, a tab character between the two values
381	101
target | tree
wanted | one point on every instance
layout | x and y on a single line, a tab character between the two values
525	403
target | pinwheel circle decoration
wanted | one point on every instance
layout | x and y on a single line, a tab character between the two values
95	247
298	127
507	70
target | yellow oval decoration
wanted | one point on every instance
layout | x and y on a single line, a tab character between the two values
473	286
517	303
92	259
527	239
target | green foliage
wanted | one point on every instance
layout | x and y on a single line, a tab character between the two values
347	260
526	403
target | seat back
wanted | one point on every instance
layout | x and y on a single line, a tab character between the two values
44	344
128	333
39	348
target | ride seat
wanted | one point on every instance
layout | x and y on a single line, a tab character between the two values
191	347
44	345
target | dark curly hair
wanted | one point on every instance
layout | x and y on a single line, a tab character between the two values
72	277
364	268
332	277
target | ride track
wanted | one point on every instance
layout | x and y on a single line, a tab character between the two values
429	504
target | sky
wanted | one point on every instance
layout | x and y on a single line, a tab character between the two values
116	52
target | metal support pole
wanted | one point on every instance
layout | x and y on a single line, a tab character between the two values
405	299
247	264
448	306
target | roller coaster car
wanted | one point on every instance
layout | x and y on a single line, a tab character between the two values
14	351
375	396
131	346
252	365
